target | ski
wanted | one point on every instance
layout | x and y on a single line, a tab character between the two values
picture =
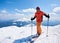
34	38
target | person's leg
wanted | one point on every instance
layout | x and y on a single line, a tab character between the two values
39	30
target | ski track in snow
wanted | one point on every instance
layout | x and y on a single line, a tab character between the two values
11	33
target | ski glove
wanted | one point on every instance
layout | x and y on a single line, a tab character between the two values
48	16
32	18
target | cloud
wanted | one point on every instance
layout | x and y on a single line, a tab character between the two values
4	11
9	16
29	10
17	10
26	14
23	19
5	15
26	10
56	9
55	14
19	15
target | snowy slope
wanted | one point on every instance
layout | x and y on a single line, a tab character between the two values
12	33
53	35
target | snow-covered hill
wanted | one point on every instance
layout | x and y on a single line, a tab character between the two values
53	35
12	33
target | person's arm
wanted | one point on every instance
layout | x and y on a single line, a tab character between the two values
33	18
47	15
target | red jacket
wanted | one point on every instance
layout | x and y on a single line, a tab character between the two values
39	16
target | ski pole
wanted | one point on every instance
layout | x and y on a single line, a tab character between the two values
47	25
31	26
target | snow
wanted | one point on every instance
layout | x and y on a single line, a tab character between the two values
53	35
12	33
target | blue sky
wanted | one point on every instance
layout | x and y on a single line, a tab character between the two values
16	9
22	4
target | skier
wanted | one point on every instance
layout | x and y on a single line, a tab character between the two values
39	16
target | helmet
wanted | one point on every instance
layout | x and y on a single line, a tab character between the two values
37	8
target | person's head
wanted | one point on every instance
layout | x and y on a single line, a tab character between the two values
37	8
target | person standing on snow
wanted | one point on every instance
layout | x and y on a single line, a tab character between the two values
39	18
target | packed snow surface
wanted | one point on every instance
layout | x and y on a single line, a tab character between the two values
12	33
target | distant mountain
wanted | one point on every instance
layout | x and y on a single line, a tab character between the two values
51	23
23	23
5	24
17	23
